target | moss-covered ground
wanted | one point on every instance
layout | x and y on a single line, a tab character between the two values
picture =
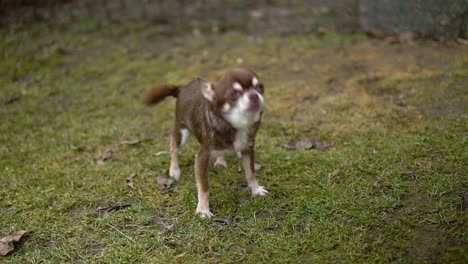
391	185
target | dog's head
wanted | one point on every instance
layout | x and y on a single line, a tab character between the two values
238	96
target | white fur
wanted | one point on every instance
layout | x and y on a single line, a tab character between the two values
254	81
256	189
203	207
208	91
174	171
238	116
220	162
259	191
237	86
241	142
185	135
226	107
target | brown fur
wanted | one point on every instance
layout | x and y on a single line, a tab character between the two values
158	92
202	117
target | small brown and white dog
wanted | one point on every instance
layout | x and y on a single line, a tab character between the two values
223	116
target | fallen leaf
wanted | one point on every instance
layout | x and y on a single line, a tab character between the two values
161	153
432	211
173	244
462	41
76	148
391	40
13	98
307	144
164	181
320	145
7	243
46	244
169	189
407	37
334	173
299	144
225	220
240	185
167	227
222	222
129	181
464	203
257	167
106	155
378	185
106	211
130	142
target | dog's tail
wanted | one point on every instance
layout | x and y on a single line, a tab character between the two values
158	92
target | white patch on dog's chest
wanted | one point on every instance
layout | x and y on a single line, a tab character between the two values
242	141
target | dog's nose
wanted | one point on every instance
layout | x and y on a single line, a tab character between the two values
253	97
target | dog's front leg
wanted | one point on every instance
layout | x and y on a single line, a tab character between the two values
248	160
201	177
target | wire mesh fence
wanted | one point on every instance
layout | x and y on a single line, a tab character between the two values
432	18
446	19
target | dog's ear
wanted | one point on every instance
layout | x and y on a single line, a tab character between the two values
208	91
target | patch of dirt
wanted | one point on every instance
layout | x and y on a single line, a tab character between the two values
96	250
75	213
362	76
424	242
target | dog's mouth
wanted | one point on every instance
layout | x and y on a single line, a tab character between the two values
255	103
254	107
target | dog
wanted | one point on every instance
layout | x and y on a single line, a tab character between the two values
224	116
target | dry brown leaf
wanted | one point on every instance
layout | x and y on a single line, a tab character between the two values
106	155
299	144
407	37
464	203
173	244
77	148
462	41
167	227
307	144
169	189
130	142
13	98
107	210
129	181
7	243
334	173
257	167
164	181
378	185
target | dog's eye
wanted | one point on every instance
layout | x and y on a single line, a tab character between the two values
235	93
259	87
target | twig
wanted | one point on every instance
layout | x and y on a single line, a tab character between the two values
122	233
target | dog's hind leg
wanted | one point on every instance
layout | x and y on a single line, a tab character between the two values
178	139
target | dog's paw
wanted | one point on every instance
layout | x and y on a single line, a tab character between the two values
220	163
259	191
174	173
204	213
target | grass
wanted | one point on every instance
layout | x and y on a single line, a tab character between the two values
396	115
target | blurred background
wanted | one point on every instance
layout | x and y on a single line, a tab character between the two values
435	19
363	143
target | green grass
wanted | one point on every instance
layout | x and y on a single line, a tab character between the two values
396	114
